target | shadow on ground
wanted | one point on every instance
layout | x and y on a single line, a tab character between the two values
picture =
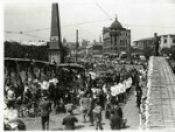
79	126
126	127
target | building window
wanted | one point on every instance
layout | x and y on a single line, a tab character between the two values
165	40
173	40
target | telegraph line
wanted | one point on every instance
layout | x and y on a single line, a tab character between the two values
48	28
104	11
22	33
153	26
88	22
42	29
83	23
26	33
70	25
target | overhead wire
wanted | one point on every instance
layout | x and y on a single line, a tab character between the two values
130	25
153	26
88	22
78	24
103	10
42	29
22	33
26	33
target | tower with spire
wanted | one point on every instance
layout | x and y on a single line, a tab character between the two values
55	45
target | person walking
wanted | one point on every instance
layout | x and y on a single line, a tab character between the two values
45	111
97	112
108	108
139	96
90	113
85	103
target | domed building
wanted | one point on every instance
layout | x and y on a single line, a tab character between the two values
116	25
116	39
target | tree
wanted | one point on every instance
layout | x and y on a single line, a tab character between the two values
15	50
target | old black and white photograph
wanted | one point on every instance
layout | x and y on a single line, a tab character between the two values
88	65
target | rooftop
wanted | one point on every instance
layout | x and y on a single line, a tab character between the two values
116	24
151	38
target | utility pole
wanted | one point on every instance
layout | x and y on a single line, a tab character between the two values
77	44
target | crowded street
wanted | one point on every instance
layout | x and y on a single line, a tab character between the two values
122	85
130	112
72	66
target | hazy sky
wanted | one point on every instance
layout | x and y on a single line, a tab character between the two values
143	17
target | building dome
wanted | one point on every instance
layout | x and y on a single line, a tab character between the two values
116	25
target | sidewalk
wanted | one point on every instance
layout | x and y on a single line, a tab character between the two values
161	96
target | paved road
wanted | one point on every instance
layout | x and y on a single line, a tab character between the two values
130	112
161	106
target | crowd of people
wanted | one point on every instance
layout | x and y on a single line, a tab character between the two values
93	96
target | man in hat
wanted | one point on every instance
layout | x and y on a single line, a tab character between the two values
45	111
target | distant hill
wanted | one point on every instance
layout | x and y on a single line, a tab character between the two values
16	50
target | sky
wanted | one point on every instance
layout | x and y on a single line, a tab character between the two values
142	17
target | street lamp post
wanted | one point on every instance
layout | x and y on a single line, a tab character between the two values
77	44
